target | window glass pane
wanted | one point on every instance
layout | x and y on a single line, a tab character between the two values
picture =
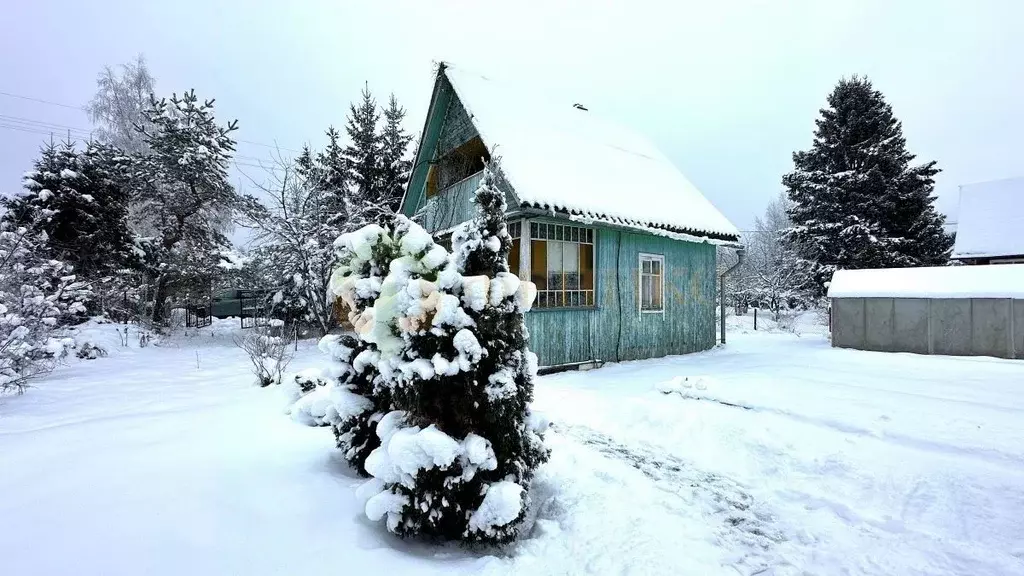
645	265
587	266
513	257
656	266
575	234
554	266
539	263
590	235
558	233
571	265
533	229
645	292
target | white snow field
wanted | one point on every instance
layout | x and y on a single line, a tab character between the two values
775	454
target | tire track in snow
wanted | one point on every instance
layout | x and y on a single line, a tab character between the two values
988	456
744	525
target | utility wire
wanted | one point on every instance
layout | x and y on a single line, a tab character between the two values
82	108
40	100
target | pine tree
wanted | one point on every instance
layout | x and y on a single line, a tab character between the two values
75	200
184	186
363	160
858	202
395	164
459	451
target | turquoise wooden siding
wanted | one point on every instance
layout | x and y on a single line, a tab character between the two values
452	206
612	332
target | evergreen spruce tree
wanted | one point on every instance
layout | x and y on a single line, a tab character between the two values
858	201
76	202
459	451
331	176
38	296
395	164
363	161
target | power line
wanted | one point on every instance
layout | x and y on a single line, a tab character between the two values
38	130
41	101
83	109
32	126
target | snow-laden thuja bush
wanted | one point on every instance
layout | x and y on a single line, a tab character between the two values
355	398
431	397
38	297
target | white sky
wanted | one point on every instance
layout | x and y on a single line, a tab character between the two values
728	90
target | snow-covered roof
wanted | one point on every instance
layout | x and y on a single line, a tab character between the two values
991	219
570	160
992	281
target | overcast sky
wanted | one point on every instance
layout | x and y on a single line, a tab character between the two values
728	90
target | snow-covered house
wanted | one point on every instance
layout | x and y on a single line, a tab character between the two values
619	243
990	224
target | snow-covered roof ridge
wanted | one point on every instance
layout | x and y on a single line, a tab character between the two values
990	221
568	159
992	281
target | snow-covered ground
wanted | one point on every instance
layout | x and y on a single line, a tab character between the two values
776	455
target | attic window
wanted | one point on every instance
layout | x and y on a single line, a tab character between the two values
461	163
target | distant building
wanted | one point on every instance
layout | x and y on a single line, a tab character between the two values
953	310
990	224
620	245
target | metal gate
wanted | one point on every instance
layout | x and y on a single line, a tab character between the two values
253	308
198	315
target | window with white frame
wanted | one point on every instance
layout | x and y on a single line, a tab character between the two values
562	264
652	283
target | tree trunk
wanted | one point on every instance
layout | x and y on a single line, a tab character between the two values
160	295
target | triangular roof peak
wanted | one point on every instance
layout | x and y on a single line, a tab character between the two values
566	158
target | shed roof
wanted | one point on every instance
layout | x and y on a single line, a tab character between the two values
992	281
991	219
567	159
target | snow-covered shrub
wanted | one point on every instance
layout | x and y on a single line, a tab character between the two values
38	297
268	354
459	451
90	351
364	257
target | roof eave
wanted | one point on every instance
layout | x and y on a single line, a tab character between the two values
538	210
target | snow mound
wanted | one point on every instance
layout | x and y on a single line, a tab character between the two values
683	385
502	504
